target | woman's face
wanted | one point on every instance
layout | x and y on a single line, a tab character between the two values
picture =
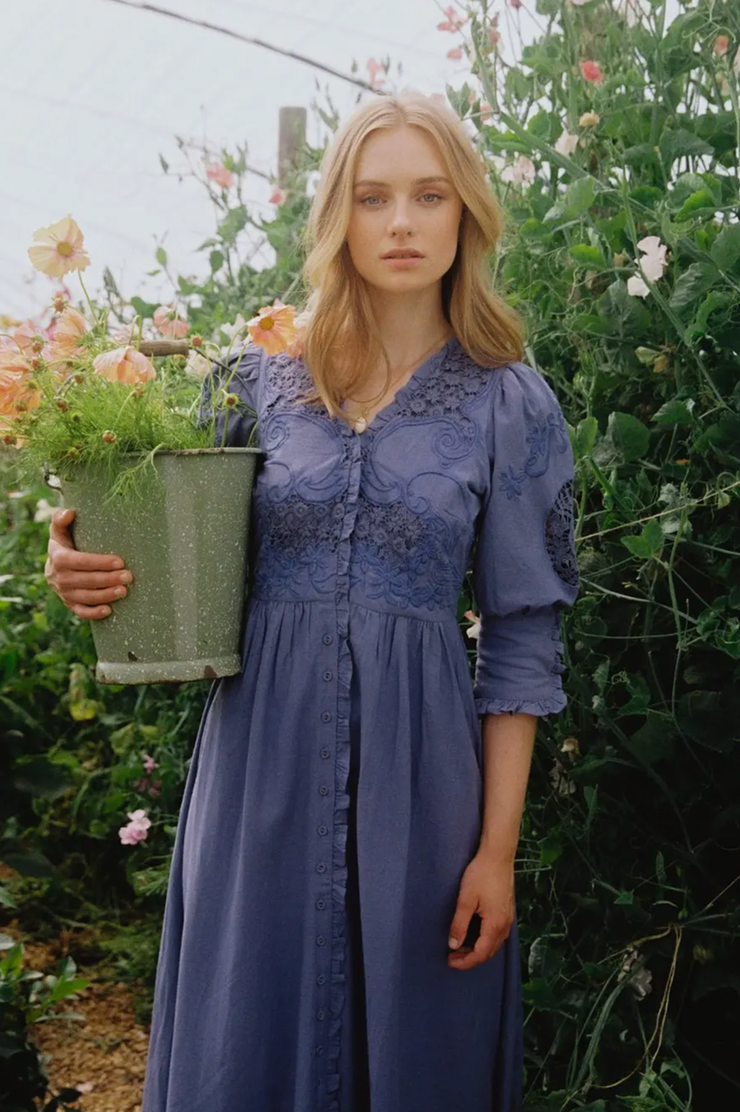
402	198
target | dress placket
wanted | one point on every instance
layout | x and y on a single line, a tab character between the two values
330	962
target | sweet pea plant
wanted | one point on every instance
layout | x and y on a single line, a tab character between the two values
76	393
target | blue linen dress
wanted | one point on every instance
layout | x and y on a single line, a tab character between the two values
334	796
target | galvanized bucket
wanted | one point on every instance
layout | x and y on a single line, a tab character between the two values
186	544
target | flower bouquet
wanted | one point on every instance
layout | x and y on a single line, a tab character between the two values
119	428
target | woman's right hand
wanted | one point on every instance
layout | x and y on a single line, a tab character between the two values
86	582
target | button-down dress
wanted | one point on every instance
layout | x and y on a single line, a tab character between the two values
335	794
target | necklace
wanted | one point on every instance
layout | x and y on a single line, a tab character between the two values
360	423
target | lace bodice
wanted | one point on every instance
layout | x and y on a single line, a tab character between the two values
466	461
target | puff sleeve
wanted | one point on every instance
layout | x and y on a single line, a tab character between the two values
525	569
246	363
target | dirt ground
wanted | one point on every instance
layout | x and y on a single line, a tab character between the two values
105	1055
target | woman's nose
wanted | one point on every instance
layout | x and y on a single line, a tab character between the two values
399	217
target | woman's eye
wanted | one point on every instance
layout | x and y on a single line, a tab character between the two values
375	197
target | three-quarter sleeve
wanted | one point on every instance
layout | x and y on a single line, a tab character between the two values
525	570
240	373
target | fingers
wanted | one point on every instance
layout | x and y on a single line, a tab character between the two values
460	923
86	582
492	936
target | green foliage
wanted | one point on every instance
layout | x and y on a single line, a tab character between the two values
27	998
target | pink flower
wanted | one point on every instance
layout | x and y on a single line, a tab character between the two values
277	197
154	790
374	68
455	54
124	364
169	324
149	763
136	830
721	43
514	3
221	176
592	72
140	785
454	21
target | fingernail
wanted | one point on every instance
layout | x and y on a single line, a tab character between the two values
453	943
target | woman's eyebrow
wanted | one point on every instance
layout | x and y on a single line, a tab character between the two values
417	181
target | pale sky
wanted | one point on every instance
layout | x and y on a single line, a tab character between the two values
92	93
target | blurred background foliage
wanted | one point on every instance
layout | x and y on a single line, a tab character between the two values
629	858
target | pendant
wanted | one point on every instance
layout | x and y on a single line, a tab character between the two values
360	424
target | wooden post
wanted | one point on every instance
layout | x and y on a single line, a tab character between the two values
291	137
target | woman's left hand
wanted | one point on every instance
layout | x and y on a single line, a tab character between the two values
487	887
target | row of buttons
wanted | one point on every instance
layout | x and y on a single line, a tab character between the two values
323	830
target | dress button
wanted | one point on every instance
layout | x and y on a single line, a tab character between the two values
323	829
321	867
321	941
328	675
327	639
320	979
320	1013
323	790
326	716
338	511
321	904
324	753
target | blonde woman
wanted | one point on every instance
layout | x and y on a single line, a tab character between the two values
340	931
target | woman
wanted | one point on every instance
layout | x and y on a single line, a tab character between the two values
340	932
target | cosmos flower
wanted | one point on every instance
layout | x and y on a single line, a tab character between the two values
59	249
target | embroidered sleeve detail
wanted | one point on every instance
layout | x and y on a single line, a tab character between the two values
559	536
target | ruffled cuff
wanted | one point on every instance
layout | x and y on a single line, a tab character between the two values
519	665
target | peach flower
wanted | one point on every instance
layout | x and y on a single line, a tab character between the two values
169	324
277	197
59	249
274	327
721	44
124	364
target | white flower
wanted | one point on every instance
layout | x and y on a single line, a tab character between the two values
566	143
43	510
653	263
520	171
636	287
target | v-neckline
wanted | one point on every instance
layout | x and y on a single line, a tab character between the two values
421	371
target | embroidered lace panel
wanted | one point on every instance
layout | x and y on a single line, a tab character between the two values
559	536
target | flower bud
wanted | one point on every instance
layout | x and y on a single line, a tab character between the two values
59	302
78	377
138	390
37	344
109	437
36	362
196	341
8	439
231	400
62	405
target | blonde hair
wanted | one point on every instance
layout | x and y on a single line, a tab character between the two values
339	337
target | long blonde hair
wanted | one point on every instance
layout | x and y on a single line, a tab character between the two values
339	338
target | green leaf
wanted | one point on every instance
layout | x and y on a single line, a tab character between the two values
654	741
216	261
161	256
626	440
586	255
725	250
29	863
585	438
144	308
40	778
674	412
648	544
233	223
679	143
692	284
699	202
164	164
